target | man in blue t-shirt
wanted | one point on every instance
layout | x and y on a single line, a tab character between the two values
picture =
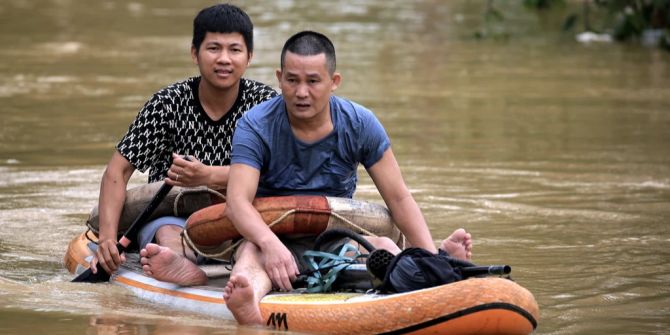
308	141
288	165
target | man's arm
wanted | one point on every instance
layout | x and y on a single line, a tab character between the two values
278	260
193	173
404	210
112	197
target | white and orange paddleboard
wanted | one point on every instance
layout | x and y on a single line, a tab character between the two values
473	306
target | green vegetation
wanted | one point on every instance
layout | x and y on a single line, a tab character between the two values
646	21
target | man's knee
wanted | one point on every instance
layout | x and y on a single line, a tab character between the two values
168	232
383	243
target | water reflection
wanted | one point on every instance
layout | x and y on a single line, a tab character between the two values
114	325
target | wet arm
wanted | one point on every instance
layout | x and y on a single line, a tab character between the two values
194	173
218	177
239	208
112	197
278	261
387	177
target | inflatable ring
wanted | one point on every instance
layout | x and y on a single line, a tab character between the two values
181	201
208	229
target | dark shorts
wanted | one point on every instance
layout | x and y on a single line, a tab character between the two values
147	234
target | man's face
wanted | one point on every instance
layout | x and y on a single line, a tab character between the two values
222	59
306	85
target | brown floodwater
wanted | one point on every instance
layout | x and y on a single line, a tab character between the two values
555	155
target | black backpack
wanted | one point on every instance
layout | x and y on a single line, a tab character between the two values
414	269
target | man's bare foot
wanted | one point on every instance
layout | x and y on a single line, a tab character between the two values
165	265
239	297
458	244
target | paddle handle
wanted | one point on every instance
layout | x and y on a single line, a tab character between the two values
123	244
497	270
102	276
131	232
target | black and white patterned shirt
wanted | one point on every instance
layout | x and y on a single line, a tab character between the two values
173	120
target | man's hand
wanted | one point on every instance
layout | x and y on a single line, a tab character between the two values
107	256
279	265
188	173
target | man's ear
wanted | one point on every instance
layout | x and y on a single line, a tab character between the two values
194	54
251	55
337	79
278	73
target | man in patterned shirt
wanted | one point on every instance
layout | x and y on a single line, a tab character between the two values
196	118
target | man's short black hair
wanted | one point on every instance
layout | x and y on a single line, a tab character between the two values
309	43
223	18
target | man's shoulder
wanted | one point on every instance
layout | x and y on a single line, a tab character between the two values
256	91
256	86
268	107
351	108
264	112
181	89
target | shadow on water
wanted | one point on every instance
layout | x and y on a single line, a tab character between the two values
22	322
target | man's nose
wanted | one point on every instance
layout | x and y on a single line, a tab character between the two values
224	57
302	91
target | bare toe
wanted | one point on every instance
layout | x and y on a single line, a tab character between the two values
458	244
164	264
239	297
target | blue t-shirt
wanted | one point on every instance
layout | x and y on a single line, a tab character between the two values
264	140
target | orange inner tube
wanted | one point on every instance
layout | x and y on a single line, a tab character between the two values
209	227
